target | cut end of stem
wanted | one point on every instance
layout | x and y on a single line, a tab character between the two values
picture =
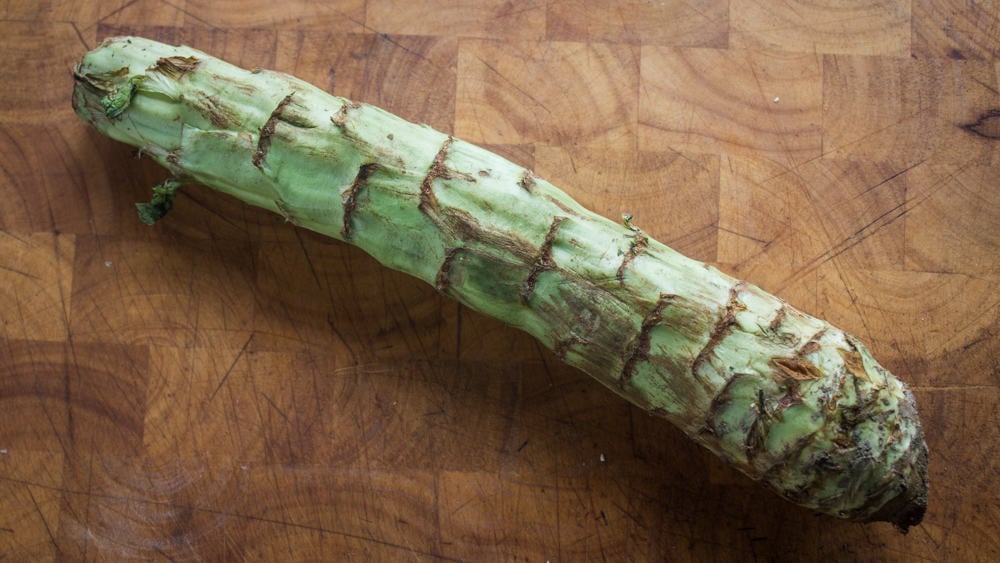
908	508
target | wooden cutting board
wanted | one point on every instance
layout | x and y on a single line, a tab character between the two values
224	386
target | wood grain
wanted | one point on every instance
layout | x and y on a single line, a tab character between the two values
36	277
485	19
830	26
224	386
687	101
673	22
507	93
957	30
906	110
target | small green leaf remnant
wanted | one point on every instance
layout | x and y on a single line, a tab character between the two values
163	199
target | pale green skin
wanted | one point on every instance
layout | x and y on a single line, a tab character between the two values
784	397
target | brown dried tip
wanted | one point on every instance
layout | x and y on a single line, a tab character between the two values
908	508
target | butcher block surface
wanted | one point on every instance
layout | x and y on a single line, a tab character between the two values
226	386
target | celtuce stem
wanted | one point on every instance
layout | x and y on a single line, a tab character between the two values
786	398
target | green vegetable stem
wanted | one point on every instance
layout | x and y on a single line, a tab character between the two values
784	397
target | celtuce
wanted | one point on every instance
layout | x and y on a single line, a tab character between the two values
786	398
